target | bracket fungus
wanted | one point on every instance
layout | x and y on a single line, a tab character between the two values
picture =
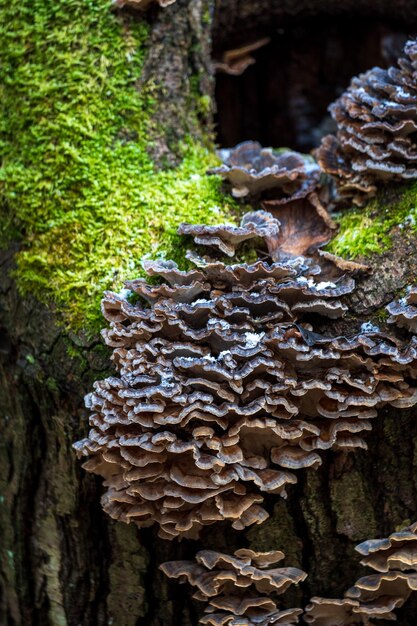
376	129
252	170
403	313
223	389
378	595
292	190
238	589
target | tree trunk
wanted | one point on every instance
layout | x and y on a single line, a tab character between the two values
64	562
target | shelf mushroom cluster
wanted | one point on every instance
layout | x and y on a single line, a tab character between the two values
376	130
223	390
376	596
375	142
252	170
238	589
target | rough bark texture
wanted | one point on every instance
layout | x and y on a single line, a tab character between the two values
180	46
63	561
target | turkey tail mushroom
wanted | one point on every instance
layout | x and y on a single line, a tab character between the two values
376	128
223	391
403	313
237	588
378	595
252	170
292	190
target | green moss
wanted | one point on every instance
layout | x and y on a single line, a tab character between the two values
369	230
77	180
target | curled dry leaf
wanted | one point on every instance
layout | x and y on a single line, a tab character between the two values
236	61
304	225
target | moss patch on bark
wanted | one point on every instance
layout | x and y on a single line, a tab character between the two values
78	186
367	231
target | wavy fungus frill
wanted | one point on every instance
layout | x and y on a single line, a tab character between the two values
251	169
376	121
403	312
237	589
373	597
224	390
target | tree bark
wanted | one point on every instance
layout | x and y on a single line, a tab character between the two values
64	562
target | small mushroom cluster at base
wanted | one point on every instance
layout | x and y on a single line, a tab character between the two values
223	387
373	597
237	588
376	130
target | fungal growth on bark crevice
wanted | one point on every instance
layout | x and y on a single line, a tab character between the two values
223	388
141	5
374	143
239	590
376	130
251	169
291	188
403	313
373	597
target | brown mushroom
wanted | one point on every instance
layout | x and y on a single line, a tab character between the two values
378	595
237	588
403	312
252	169
376	124
223	391
332	612
396	552
227	238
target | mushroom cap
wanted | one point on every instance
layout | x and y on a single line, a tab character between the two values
252	169
227	237
331	612
396	552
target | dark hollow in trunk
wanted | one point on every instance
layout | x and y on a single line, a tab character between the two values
282	99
